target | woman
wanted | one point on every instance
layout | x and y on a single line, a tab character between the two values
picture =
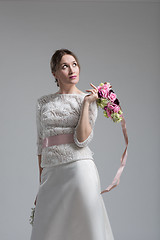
69	205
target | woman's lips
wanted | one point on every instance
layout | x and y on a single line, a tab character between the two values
73	77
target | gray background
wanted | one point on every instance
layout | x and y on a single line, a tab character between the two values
116	42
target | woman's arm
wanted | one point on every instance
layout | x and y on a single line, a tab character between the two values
84	129
83	132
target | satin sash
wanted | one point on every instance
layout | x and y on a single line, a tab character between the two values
123	160
58	139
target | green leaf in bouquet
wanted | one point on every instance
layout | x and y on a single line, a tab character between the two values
120	112
105	114
102	102
116	117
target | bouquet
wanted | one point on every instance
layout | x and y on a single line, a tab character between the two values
108	101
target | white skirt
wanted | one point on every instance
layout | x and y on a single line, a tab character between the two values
69	204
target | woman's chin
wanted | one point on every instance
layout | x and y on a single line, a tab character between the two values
74	81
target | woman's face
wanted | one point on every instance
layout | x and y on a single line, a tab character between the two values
68	67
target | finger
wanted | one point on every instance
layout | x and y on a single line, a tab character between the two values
89	90
92	90
93	85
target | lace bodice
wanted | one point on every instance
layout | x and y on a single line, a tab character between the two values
59	114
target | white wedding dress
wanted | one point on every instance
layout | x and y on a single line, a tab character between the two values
69	204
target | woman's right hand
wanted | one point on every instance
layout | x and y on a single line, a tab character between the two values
94	94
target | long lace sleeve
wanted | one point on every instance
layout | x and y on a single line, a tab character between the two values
93	112
39	128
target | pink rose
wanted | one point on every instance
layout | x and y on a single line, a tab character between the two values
99	88
107	84
116	109
104	93
112	96
109	112
110	106
106	87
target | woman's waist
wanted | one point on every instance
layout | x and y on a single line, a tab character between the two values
62	148
67	149
58	139
64	153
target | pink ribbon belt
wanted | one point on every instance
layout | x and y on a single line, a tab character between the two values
58	139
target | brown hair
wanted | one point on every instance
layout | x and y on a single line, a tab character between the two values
56	58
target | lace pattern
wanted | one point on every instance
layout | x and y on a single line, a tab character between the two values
51	120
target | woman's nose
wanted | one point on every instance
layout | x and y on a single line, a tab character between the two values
70	69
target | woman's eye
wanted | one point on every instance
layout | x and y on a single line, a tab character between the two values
66	65
63	67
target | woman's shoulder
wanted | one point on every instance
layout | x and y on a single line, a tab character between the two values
45	98
50	97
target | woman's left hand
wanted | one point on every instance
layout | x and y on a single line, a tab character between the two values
94	94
